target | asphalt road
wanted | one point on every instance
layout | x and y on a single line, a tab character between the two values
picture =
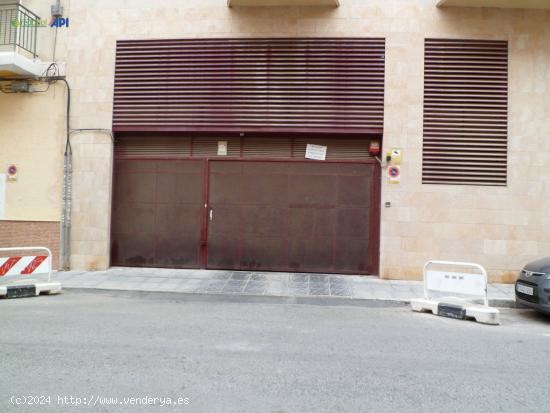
264	357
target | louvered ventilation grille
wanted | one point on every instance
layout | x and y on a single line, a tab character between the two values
258	85
209	146
336	149
267	147
339	148
465	112
153	146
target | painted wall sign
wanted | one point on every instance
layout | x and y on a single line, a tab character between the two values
317	152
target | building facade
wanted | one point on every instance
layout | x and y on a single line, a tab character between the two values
190	123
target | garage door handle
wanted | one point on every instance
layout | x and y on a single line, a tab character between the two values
210	214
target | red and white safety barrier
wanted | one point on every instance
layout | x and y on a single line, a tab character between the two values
24	265
16	272
458	287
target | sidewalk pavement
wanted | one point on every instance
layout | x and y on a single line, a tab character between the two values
264	284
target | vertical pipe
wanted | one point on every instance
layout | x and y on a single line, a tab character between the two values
54	44
62	245
65	253
68	212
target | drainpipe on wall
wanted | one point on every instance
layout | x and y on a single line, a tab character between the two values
66	212
66	202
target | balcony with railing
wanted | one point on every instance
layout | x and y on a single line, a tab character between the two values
18	39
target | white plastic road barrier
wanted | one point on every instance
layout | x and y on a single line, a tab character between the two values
16	273
467	285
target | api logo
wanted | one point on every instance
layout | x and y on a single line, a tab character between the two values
59	22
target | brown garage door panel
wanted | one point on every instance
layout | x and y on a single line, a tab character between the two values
157	213
294	216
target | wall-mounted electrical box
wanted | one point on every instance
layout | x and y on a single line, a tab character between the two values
396	156
19	86
57	9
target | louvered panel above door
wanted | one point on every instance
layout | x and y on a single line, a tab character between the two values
262	147
357	149
324	85
208	147
152	146
465	112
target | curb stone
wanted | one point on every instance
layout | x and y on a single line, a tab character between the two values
251	298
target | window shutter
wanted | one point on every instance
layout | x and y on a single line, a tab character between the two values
465	112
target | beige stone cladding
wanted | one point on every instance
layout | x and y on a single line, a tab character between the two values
499	227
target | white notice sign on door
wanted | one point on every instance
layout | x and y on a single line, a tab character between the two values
317	152
222	148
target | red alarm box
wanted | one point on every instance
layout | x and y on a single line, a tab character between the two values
374	148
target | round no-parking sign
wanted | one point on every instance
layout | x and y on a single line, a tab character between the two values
394	174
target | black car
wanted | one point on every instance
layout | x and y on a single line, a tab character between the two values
533	285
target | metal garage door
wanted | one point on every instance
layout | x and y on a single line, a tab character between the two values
157	210
294	216
176	204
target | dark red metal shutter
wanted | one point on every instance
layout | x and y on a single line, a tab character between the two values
357	149
152	146
247	147
465	112
267	147
208	146
333	85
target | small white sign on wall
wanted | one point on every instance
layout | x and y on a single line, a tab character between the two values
222	148
317	152
2	195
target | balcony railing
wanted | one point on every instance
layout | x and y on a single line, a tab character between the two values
18	28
